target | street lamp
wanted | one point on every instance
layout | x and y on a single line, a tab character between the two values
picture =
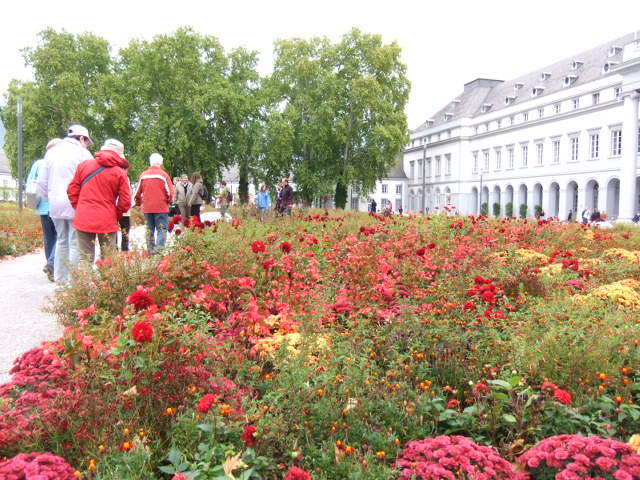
424	178
480	193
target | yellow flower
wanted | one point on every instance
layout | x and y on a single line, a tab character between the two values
634	442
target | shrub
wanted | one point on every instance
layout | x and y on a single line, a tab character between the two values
508	209
20	231
452	457
484	208
524	210
573	456
496	209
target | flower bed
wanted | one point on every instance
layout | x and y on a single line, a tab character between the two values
322	346
20	232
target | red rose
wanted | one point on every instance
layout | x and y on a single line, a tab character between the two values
296	473
285	247
205	403
562	396
142	332
248	436
258	246
140	300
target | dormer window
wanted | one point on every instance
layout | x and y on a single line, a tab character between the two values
535	91
545	76
569	80
448	116
486	107
614	50
606	68
509	99
455	102
518	86
576	64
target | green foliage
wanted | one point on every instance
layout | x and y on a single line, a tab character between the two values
508	209
496	209
524	209
484	208
538	211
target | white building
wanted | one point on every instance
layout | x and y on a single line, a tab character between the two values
562	138
8	184
390	190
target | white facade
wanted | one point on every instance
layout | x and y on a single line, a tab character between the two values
8	184
560	139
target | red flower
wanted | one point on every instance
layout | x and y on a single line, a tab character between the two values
548	387
296	473
562	396
248	436
178	232
453	403
205	403
481	389
469	306
140	300
285	247
142	332
258	246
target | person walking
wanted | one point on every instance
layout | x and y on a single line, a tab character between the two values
42	207
60	164
100	194
263	201
224	199
154	193
374	206
198	195
286	197
182	195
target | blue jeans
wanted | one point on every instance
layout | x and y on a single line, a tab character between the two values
66	256
49	233
157	226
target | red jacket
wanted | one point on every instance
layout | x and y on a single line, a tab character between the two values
155	190
102	200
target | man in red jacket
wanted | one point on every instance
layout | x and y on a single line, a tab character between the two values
155	193
100	194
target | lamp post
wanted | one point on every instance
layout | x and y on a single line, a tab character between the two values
480	193
20	140
424	178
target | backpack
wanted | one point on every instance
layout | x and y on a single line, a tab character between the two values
204	194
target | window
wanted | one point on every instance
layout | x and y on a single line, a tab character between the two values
576	103
498	159
557	108
525	155
485	155
525	116
574	143
512	120
447	164
486	127
594	146
438	171
412	169
419	169
616	143
355	203
540	112
385	188
429	139
476	129
595	98
556	151
511	155
475	162
498	123
429	167
398	189
539	153
616	92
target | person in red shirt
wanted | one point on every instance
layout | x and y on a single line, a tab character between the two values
99	193
155	193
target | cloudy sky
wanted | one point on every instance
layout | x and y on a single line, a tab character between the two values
445	44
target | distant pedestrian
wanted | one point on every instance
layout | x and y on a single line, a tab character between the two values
586	215
286	197
224	198
60	164
570	215
182	194
100	193
636	218
155	192
198	195
374	206
48	228
263	202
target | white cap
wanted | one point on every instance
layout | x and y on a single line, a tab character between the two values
79	131
114	145
155	159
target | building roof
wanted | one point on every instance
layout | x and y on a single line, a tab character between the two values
582	68
398	170
4	163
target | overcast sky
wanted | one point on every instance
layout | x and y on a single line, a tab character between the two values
444	44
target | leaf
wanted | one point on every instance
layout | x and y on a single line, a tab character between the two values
233	463
500	383
174	456
206	427
503	397
515	381
246	474
507	417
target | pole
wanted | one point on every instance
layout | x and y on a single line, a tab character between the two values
480	194
20	153
424	178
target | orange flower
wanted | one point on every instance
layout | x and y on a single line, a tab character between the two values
126	446
618	399
225	409
349	449
380	455
169	411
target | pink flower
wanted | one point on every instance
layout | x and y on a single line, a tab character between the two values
258	246
562	396
205	403
296	473
142	332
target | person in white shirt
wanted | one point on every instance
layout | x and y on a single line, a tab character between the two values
60	164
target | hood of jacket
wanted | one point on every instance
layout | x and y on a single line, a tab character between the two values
109	158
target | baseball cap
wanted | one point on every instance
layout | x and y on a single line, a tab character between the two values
114	145
79	131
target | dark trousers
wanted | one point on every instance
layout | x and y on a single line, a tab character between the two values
50	237
125	226
195	211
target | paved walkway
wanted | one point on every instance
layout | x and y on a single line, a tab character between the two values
24	291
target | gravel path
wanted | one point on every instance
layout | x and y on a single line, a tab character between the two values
23	325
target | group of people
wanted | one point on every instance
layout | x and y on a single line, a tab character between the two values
589	215
190	195
81	198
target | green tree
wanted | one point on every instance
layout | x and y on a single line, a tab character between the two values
69	74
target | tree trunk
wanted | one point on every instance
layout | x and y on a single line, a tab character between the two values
243	188
340	198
